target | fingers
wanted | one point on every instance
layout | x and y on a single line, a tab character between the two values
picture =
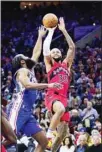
61	20
58	85
42	28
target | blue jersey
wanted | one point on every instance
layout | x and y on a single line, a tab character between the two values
27	96
20	109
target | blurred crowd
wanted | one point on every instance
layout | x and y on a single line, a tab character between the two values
84	96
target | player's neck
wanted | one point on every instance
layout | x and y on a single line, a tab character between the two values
54	62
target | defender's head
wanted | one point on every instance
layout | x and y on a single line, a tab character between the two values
56	54
22	61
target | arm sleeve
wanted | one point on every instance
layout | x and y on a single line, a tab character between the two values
47	43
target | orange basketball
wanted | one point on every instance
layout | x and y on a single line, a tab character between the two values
50	20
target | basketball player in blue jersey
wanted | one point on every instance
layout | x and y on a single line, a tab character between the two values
20	114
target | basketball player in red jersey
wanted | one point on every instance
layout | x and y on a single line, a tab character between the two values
56	100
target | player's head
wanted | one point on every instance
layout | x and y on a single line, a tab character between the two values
56	54
22	61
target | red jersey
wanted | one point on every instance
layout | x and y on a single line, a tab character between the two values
59	73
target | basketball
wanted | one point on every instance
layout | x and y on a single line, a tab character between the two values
50	20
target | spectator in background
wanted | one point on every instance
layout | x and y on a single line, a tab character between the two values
84	103
76	106
78	132
95	132
10	73
3	75
92	89
80	66
98	125
7	96
97	145
8	85
44	121
82	147
82	78
98	84
75	119
97	96
90	112
74	98
80	126
71	91
68	145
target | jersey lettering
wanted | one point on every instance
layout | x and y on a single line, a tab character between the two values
63	78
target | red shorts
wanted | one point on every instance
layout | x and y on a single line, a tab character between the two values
51	98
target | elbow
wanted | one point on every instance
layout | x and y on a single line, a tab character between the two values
27	86
72	47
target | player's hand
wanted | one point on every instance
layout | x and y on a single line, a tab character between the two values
61	24
42	31
55	85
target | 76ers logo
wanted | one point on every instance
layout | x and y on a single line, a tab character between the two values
63	78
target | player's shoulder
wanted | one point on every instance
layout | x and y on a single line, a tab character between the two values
64	63
23	70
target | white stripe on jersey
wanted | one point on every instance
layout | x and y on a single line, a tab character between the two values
15	109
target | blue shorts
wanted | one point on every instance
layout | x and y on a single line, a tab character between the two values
27	124
24	122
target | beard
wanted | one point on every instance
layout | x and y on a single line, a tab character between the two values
58	59
30	63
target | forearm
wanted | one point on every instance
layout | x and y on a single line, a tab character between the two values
24	79
36	85
68	39
71	50
37	49
47	43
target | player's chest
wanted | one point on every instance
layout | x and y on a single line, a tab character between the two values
59	74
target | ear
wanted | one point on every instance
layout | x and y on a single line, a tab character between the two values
22	62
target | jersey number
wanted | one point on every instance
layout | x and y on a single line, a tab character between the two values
63	78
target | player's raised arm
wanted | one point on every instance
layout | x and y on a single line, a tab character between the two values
38	45
46	48
71	50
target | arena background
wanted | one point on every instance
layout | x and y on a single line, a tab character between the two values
19	29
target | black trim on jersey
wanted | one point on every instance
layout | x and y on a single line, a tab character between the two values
52	74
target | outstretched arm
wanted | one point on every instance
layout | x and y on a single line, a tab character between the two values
38	45
71	51
46	48
22	76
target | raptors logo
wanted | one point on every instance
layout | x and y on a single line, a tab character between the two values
63	78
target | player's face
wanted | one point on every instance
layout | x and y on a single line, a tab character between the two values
56	54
